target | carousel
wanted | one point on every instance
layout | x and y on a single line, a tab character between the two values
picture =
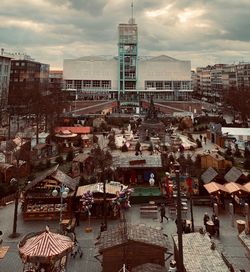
45	251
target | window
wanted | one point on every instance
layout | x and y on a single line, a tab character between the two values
78	84
86	83
17	63
96	83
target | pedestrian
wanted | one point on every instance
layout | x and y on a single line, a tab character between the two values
205	219
217	225
163	212
205	139
200	137
213	216
77	217
102	229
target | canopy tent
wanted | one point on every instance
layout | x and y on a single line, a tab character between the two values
44	247
214	187
233	187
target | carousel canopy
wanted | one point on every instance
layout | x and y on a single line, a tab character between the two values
44	247
214	187
233	187
149	267
77	130
66	134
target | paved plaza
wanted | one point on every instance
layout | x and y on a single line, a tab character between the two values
228	243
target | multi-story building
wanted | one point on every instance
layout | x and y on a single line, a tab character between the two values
243	75
229	77
4	82
128	77
55	80
28	79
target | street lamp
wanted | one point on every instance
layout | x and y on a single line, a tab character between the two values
15	182
179	220
64	191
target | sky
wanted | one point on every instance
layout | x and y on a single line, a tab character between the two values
202	31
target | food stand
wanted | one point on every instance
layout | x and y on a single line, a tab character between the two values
112	190
38	201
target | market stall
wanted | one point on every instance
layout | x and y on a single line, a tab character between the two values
112	190
45	251
38	199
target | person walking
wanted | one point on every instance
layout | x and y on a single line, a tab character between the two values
205	139
163	212
206	219
217	226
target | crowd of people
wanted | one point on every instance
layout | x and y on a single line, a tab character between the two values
212	225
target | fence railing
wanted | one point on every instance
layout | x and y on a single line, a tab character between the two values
5	200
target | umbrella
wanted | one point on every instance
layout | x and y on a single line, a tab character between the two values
44	247
214	187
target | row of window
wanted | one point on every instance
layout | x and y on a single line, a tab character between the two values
80	84
168	85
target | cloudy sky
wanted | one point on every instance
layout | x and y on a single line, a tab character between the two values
203	31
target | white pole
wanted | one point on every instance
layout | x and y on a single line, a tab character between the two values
231	211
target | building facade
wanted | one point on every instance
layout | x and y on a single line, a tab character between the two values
28	79
4	83
128	77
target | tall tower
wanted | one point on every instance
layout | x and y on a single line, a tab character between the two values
127	56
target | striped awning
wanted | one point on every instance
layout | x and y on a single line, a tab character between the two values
44	247
214	187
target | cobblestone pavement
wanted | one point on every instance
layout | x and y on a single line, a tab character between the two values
228	242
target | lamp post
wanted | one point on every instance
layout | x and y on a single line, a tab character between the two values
64	191
179	220
14	234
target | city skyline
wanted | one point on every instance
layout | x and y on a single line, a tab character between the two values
205	32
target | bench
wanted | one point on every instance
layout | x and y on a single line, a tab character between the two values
202	201
150	211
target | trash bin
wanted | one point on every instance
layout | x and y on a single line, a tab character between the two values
241	225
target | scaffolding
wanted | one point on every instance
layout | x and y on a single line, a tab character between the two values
127	56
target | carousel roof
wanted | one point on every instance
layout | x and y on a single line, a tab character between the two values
57	175
123	233
77	130
44	246
65	134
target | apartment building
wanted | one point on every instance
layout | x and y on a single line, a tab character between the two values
28	79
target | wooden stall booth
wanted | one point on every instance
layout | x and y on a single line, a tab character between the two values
132	245
38	201
239	195
97	210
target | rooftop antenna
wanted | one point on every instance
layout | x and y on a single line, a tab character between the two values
132	10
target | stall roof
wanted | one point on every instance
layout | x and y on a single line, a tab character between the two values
81	157
5	166
213	187
57	175
149	267
198	255
247	186
233	174
233	187
98	188
209	175
123	233
127	160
